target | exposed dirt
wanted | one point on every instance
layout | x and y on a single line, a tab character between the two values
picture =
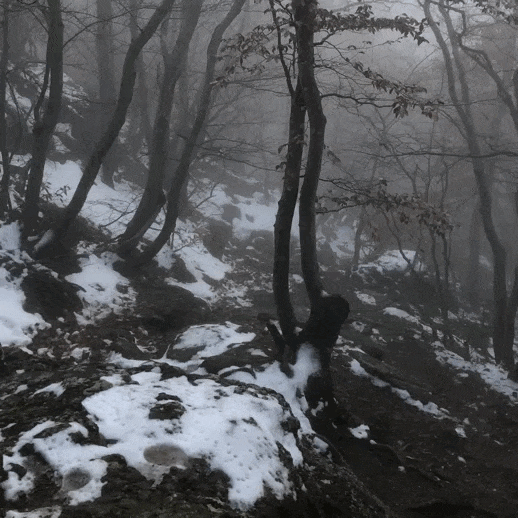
416	463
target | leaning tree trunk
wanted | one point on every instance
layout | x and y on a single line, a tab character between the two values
153	198
118	118
182	170
107	89
44	126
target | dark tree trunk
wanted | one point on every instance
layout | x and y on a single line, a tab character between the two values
503	354
284	219
327	312
145	129
460	96
304	16
44	126
473	274
153	197
182	171
107	89
5	182
119	116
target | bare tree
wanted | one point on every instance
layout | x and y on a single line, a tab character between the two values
5	200
107	89
182	171
328	312
44	124
115	124
153	197
505	304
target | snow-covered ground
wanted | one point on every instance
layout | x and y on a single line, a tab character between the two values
236	432
232	430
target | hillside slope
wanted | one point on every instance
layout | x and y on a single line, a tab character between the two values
159	394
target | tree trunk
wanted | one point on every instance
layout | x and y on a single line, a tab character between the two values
328	313
107	90
473	275
284	219
153	197
5	182
182	171
362	222
145	127
460	96
44	127
118	118
304	16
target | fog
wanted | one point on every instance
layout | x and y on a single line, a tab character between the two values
419	130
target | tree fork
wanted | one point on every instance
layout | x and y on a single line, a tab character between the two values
153	198
182	170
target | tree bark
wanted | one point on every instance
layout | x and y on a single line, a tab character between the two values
118	118
473	275
107	89
304	17
5	182
153	198
284	219
44	127
145	129
182	171
459	94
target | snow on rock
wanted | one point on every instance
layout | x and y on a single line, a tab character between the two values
214	339
10	237
45	512
105	290
400	313
16	325
365	298
390	261
105	207
360	432
429	408
254	213
494	376
201	264
291	388
241	430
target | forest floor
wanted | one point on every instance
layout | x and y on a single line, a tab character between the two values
426	424
428	437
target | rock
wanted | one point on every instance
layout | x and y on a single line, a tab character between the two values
180	272
166	455
167	411
240	356
49	296
217	237
230	212
165	308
